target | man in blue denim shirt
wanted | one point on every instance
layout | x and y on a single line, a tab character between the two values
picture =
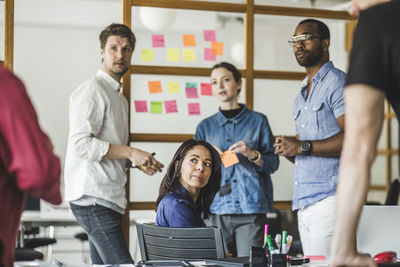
319	116
246	193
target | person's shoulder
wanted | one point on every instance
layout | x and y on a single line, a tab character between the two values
209	120
256	114
87	89
336	73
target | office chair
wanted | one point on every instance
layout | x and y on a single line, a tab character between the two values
164	243
392	196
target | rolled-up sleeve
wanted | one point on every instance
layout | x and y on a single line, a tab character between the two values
86	121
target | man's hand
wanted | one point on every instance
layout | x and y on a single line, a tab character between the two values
287	146
145	161
358	5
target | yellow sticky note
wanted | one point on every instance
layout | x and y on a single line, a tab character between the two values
228	159
147	55
217	48
189	40
172	54
188	55
173	87
155	87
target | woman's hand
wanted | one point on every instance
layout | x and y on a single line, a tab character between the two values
242	148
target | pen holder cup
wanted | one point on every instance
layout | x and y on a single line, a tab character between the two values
278	260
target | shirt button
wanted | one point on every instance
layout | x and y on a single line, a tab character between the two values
229	140
234	180
305	108
296	163
314	108
237	201
302	125
295	183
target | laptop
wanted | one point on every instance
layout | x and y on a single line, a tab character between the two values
379	230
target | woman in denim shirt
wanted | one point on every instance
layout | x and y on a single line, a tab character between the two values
246	193
189	186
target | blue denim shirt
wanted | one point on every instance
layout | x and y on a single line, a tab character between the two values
315	178
252	190
178	210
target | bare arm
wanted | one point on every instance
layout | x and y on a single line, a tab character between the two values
358	5
363	127
330	147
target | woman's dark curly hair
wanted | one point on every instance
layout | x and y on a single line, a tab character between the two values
170	182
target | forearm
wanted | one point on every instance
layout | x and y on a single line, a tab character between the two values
119	152
330	147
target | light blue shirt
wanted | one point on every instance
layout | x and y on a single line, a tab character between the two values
315	178
252	190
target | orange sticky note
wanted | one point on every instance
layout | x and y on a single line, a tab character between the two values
155	87
217	48
228	159
189	40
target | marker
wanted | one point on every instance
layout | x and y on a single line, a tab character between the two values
144	167
265	233
284	242
278	241
271	246
289	240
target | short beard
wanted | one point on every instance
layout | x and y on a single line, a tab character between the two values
120	73
311	58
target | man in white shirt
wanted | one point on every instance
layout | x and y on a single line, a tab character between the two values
97	153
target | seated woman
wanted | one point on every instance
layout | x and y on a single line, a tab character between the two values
189	186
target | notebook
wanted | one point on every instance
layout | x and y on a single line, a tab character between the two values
379	230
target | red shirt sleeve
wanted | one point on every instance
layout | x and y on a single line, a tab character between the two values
25	150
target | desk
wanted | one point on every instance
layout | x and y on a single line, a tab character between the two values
32	218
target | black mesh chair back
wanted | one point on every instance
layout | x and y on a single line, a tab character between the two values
164	243
392	197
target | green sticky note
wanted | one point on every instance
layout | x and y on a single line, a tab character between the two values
147	55
191	85
156	107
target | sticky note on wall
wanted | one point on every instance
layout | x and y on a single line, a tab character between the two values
205	89
209	35
147	55
208	56
217	48
189	40
173	54
140	106
156	107
157	40
173	87
188	55
170	106
155	87
194	108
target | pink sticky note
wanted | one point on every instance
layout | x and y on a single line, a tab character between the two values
209	35
194	108
158	40
191	92
205	88
141	106
170	106
208	55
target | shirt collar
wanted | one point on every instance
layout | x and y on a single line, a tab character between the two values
320	74
222	119
109	80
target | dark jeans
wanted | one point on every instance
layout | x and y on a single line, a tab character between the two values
104	229
240	231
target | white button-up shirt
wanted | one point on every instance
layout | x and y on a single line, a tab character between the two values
98	118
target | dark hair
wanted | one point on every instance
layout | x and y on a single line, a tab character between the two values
237	75
170	182
119	30
323	30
